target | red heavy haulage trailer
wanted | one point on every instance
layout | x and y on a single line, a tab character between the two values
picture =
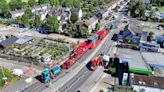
82	48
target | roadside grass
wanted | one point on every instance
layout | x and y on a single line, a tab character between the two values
2	25
148	27
10	78
161	9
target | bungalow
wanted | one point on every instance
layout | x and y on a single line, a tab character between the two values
102	13
91	23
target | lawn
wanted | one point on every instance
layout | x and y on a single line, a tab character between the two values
161	9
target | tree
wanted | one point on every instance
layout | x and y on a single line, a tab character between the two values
4	8
77	3
151	33
16	4
150	36
68	3
137	8
7	74
52	24
74	17
112	70
28	12
43	1
84	32
37	21
54	2
32	3
97	27
25	20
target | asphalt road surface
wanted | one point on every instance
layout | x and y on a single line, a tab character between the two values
82	76
38	86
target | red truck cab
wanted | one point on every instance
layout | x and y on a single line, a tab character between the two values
95	63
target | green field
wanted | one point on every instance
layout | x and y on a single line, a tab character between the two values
161	9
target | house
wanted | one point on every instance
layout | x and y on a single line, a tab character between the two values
144	83
8	42
78	12
39	8
102	13
147	4
63	14
132	33
112	4
17	13
46	58
91	23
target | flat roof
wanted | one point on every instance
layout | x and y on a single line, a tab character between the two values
148	80
23	39
134	58
153	58
9	41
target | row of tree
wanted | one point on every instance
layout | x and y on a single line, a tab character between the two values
137	8
13	5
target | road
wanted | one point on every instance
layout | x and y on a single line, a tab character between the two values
81	77
37	87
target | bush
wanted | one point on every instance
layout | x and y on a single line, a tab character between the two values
112	70
7	74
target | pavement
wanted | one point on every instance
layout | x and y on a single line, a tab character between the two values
105	84
9	64
25	81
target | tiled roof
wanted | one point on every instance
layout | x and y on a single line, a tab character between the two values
90	21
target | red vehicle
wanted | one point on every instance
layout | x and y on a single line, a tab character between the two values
95	63
82	48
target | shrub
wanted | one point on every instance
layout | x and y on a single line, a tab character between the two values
112	70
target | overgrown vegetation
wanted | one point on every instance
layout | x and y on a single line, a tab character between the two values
7	73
